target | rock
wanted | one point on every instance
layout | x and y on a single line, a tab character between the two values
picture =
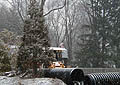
35	81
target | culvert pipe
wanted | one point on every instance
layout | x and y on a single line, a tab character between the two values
67	75
112	78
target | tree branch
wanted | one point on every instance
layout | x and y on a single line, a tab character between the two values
18	8
55	9
20	13
10	3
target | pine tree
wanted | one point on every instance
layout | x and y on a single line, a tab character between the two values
103	41
4	58
34	49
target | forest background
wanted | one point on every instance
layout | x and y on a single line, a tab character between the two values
89	29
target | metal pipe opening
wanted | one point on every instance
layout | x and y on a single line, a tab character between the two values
77	75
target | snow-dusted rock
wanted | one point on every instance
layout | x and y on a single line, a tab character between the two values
36	81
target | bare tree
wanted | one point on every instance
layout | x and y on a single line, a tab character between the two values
22	6
55	24
66	24
10	19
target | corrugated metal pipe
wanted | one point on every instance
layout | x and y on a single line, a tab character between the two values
112	78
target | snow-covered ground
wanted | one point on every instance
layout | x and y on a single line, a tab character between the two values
36	81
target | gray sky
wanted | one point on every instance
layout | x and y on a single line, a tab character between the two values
1	0
5	3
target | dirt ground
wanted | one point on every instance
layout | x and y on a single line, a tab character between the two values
36	81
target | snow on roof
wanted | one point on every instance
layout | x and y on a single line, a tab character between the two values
51	48
13	46
57	48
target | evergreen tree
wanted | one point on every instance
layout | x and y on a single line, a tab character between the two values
102	44
34	49
4	58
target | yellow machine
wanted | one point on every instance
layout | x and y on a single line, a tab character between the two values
57	65
61	56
